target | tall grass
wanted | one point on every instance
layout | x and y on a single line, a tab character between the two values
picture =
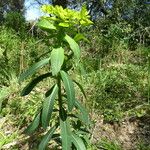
16	53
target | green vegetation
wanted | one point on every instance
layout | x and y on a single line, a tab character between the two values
113	70
61	62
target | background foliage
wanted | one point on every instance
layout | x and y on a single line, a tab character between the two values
115	70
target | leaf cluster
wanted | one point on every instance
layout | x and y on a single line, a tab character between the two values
60	17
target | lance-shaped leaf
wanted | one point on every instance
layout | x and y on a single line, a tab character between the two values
78	142
48	93
48	105
33	69
69	88
80	87
84	115
46	138
79	37
65	134
46	25
57	59
73	45
33	83
34	125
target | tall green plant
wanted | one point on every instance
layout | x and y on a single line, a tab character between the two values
61	25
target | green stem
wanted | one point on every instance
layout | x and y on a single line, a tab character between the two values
61	110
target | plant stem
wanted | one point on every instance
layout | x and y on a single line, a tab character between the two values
59	97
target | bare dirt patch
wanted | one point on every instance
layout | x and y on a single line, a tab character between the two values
128	133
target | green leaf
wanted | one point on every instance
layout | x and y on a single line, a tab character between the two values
33	69
84	115
33	83
79	37
84	12
64	24
46	24
81	88
46	138
78	142
57	59
70	91
48	105
73	45
48	93
34	125
65	135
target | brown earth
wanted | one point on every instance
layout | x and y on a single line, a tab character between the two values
128	133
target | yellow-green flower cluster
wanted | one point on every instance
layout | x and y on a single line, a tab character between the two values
67	17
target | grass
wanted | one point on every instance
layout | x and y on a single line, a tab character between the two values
109	145
117	82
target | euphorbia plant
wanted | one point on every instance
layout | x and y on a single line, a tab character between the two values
62	26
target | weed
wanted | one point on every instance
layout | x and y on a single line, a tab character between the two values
109	145
61	61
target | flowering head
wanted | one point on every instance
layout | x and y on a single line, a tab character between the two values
60	17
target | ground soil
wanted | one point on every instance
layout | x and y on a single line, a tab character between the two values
127	133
